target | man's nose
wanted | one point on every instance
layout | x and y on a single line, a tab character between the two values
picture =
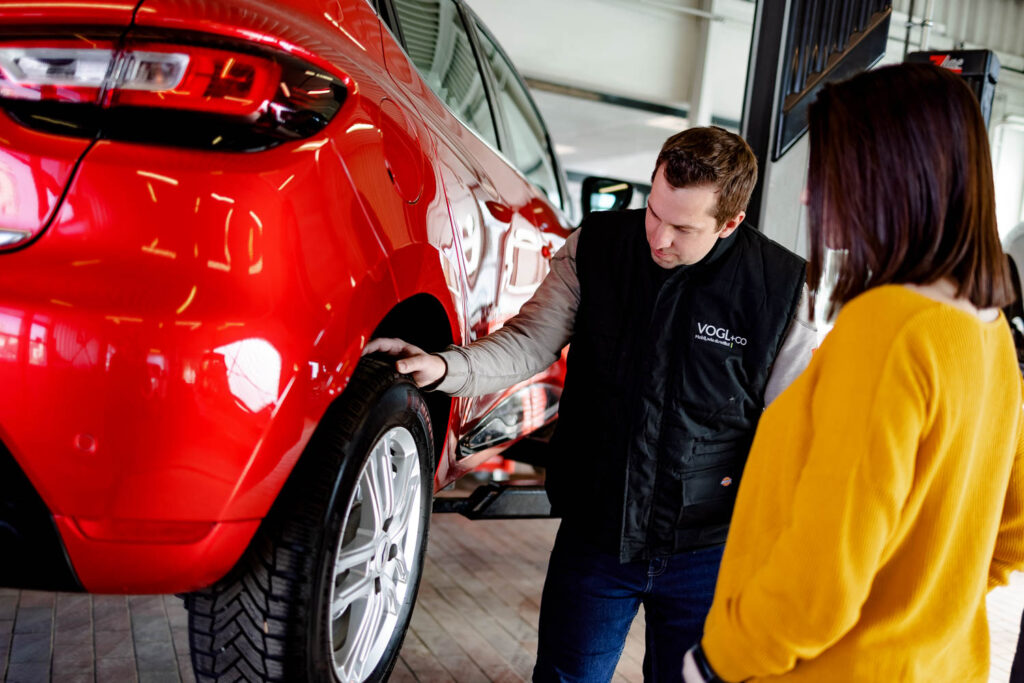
663	236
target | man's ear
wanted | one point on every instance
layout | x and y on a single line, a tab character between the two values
731	224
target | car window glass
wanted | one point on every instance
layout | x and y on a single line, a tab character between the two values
528	147
438	44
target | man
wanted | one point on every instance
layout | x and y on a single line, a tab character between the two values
682	325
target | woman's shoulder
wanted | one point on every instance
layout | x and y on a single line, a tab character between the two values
895	320
896	299
903	307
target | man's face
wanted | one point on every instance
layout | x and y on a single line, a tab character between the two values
681	227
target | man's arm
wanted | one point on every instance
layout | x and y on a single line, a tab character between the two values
527	343
801	339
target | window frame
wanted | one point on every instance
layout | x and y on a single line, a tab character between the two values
389	17
492	84
472	23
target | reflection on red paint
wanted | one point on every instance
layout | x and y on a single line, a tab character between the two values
171	343
37	344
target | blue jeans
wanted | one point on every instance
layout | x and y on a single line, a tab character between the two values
590	600
1017	672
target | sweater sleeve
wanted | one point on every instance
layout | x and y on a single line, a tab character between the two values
869	409
528	342
1009	551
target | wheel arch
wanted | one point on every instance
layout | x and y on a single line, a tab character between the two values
423	321
374	308
420	319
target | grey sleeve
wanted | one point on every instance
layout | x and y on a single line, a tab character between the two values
529	342
795	354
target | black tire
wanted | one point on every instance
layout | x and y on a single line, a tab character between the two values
270	618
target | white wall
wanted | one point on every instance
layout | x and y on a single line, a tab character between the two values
605	46
625	47
728	55
1008	159
783	217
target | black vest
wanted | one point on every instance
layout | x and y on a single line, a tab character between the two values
665	385
1014	314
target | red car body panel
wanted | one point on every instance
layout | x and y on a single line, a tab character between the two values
68	13
173	337
34	170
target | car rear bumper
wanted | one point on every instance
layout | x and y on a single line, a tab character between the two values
34	555
139	566
43	551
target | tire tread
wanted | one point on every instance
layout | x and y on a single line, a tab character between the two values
249	626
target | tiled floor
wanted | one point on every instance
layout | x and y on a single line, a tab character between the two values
476	619
74	638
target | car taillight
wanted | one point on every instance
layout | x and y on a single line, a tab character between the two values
169	89
53	73
200	79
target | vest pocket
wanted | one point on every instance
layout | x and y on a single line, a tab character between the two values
710	493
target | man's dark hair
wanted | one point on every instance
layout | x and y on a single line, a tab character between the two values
900	177
711	156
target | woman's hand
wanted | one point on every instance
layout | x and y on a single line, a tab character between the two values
424	368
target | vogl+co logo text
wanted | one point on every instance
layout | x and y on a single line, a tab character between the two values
719	335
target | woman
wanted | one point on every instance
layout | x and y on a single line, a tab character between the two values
882	497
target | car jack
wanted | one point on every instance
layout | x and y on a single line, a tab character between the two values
499	501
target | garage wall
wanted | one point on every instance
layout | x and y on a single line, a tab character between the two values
632	48
600	45
728	56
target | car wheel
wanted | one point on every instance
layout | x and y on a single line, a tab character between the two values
326	588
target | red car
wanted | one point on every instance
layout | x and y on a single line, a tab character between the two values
206	210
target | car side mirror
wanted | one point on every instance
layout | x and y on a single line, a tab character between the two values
604	194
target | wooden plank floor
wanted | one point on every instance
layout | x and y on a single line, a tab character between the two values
476	618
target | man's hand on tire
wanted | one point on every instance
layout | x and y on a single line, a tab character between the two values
424	368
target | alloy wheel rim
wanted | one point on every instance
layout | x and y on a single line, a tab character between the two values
374	561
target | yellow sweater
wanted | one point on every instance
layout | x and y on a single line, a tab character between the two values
881	501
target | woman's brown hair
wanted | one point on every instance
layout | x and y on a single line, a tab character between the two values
900	177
